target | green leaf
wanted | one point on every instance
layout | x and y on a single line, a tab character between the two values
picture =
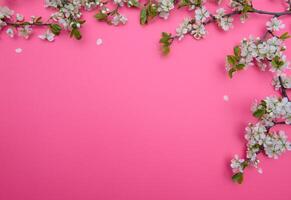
152	10
231	72
277	62
231	60
259	113
238	178
285	36
101	16
55	29
240	66
166	49
236	51
143	16
183	3
247	8
165	37
76	33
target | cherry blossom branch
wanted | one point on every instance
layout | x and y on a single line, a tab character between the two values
196	26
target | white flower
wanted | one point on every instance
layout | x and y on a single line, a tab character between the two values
237	164
275	24
201	14
226	23
5	12
19	17
248	50
18	50
48	35
99	41
225	97
255	134
10	32
183	29
25	31
276	144
220	12
118	18
164	7
198	31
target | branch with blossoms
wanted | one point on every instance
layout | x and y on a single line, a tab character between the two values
67	17
266	53
196	26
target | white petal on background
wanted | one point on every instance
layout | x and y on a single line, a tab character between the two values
99	41
18	50
226	98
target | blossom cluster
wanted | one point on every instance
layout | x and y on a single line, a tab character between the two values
196	26
267	53
259	139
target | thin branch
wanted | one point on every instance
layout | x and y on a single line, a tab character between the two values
18	24
263	12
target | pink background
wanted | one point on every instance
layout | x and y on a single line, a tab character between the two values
120	122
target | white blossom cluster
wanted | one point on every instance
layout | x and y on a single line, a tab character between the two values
7	16
184	28
68	16
272	109
164	8
265	54
5	13
237	164
225	22
195	27
273	144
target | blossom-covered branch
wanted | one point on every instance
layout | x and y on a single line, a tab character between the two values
67	17
196	26
267	53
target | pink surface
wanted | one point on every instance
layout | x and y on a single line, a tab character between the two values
120	122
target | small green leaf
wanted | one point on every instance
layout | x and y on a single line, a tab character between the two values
238	178
231	72
277	62
152	10
231	60
259	113
55	29
236	51
166	49
240	66
183	3
143	16
101	16
285	36
76	33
